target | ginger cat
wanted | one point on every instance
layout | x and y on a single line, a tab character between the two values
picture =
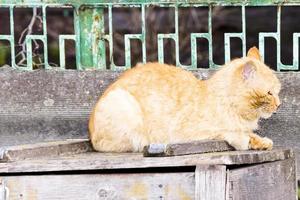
159	103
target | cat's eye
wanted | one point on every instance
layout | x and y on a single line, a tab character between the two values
270	93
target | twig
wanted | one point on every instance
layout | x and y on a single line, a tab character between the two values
28	31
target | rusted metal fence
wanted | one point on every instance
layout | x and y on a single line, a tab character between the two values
90	36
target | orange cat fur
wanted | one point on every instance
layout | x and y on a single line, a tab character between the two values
159	103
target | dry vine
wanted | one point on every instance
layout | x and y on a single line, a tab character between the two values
22	39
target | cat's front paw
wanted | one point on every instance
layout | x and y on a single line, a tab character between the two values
258	143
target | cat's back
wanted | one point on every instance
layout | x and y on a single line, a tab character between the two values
155	76
158	69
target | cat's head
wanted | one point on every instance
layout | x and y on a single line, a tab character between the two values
258	85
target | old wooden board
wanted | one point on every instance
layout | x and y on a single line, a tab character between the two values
45	149
177	149
268	181
103	161
210	182
175	186
52	105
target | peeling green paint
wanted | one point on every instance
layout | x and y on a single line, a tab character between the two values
149	2
90	36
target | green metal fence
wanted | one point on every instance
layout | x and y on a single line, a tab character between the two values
90	36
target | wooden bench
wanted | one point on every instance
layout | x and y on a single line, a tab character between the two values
70	170
43	105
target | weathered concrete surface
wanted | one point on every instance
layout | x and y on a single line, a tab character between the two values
47	105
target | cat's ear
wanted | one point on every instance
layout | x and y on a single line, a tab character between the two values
248	70
254	53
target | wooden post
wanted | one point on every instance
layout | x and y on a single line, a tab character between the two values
210	182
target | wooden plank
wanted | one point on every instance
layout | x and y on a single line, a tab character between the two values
3	191
175	186
102	161
269	181
45	149
210	182
194	147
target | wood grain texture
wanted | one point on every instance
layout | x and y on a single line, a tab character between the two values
102	161
177	149
268	181
45	149
53	105
210	182
175	186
